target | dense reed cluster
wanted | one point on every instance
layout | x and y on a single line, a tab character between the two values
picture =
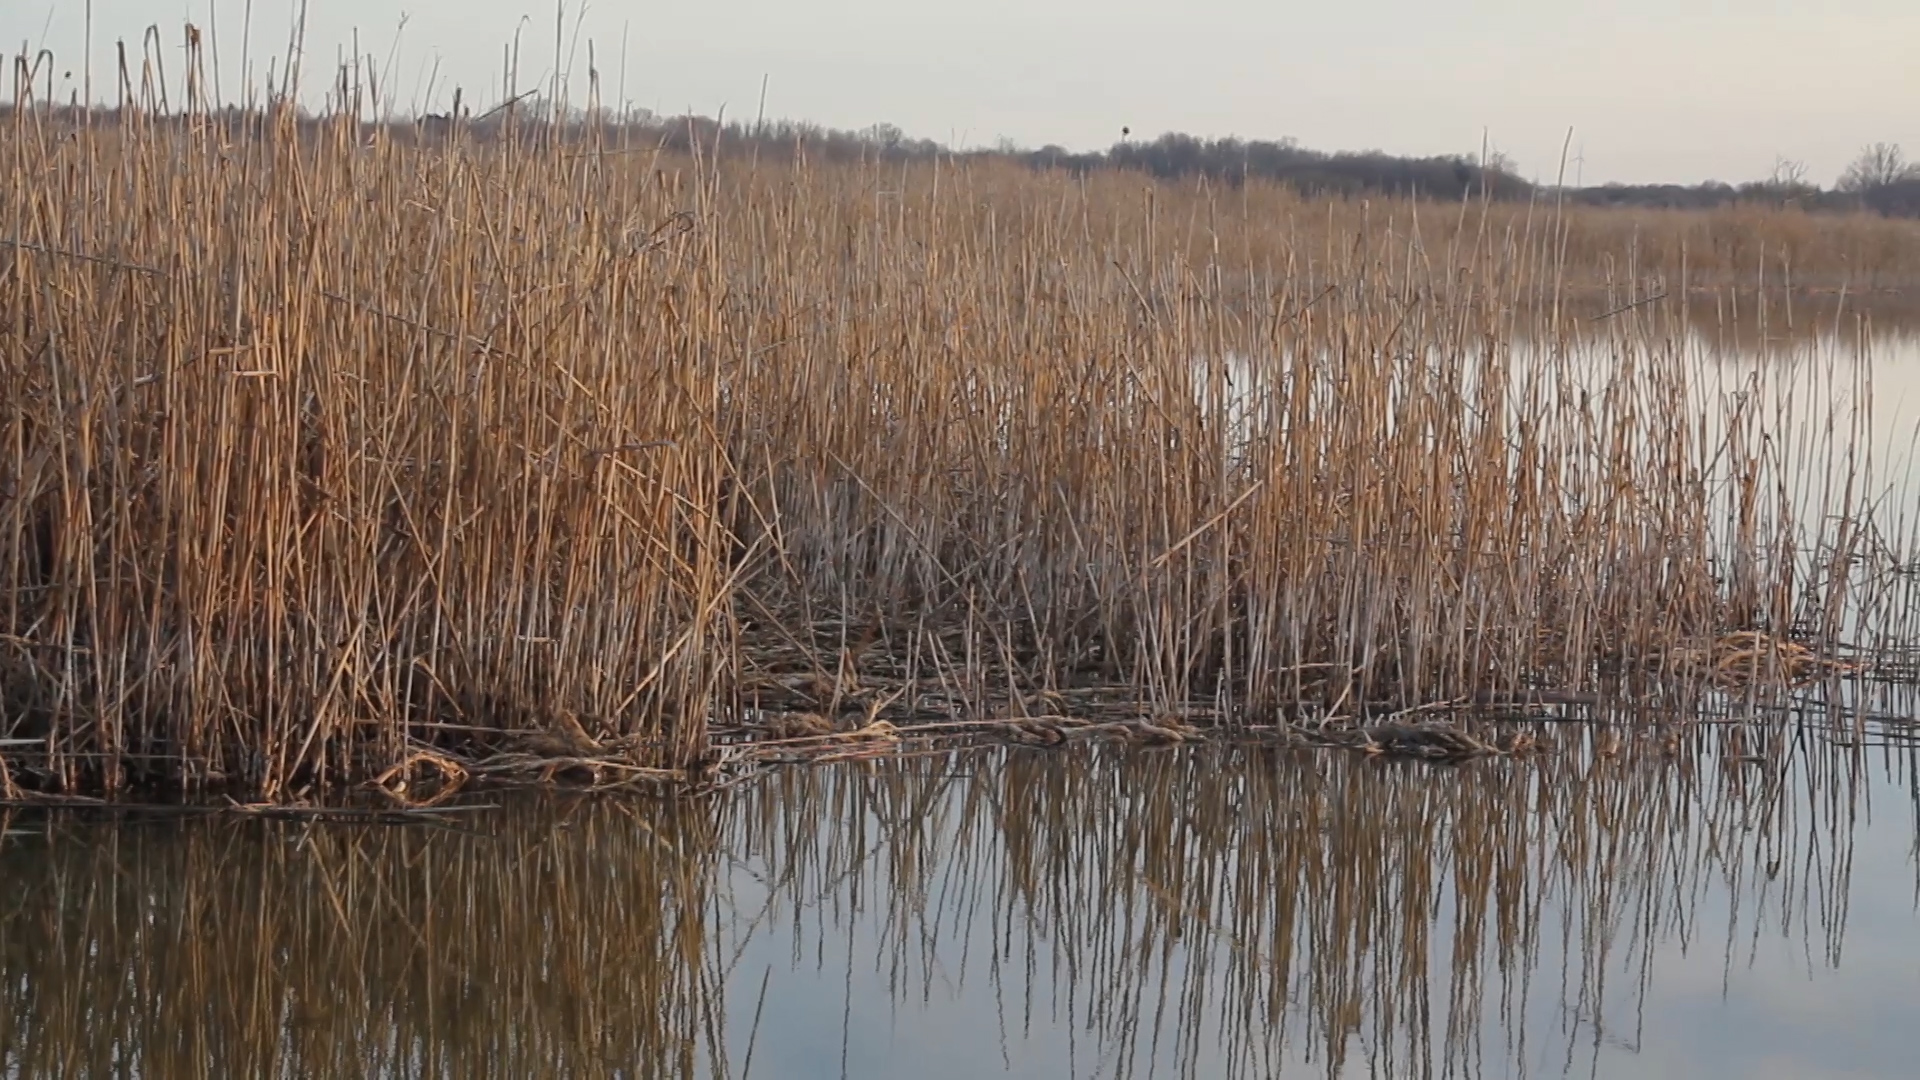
321	450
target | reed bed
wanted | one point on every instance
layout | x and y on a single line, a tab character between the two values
320	449
1750	252
1212	911
331	457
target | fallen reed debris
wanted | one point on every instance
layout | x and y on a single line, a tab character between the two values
1746	657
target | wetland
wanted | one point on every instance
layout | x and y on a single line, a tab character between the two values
551	605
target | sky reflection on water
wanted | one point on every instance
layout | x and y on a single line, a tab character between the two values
1102	912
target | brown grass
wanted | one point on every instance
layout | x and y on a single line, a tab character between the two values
317	453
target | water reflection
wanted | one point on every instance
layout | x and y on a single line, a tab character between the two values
1737	902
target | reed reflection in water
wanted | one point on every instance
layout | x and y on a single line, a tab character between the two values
1211	911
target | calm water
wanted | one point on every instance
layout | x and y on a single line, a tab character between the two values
1744	901
1104	912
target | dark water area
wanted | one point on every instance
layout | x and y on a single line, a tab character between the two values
1639	902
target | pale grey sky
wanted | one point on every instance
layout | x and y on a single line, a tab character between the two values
1682	90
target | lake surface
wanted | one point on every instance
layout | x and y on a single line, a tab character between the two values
1221	910
1733	898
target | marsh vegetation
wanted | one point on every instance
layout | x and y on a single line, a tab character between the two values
348	469
330	457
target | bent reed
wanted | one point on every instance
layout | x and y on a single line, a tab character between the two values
330	455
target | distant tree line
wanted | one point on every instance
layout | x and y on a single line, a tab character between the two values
1880	180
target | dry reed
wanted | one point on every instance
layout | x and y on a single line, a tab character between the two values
325	451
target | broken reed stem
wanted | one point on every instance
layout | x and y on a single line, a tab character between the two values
321	451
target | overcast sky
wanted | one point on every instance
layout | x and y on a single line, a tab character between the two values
1681	90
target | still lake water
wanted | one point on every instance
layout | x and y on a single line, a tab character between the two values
1104	912
1629	905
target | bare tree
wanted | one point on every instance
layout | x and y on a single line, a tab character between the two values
1788	173
887	137
1877	166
